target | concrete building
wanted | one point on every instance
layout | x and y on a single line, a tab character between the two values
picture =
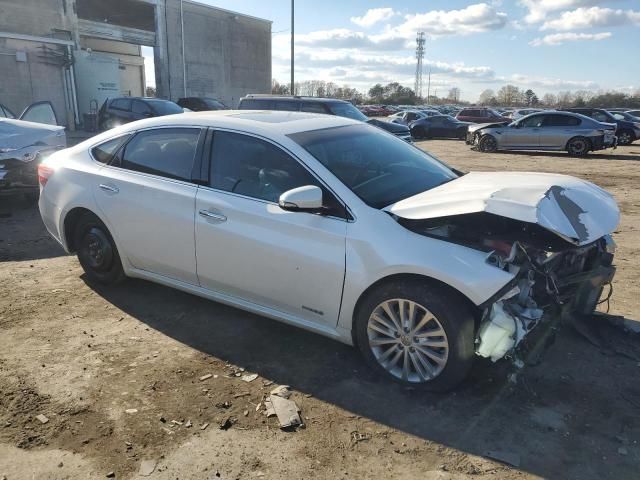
76	53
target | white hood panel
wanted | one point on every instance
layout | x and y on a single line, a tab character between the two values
574	209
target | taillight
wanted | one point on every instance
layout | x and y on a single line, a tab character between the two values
44	173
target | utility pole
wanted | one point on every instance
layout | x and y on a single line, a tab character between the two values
293	92
420	41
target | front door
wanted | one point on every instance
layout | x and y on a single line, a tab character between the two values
249	248
147	198
526	135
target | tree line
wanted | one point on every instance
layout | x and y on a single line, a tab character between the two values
507	96
512	96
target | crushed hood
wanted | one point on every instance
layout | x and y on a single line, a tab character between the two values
576	210
479	126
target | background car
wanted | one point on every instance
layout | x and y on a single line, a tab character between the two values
439	126
327	106
626	131
517	114
201	104
635	113
24	142
625	116
120	110
575	133
481	115
406	117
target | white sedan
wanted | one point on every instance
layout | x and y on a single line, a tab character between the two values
337	227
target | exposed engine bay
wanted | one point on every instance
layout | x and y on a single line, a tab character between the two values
553	277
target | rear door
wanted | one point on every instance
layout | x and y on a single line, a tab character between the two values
557	129
140	110
249	248
120	111
147	197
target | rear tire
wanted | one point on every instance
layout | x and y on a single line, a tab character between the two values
97	251
578	146
439	354
488	143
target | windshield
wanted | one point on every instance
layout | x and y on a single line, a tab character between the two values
379	168
165	107
347	110
213	103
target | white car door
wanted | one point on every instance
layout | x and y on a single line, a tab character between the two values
147	198
249	248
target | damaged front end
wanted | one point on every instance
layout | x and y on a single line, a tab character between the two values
553	278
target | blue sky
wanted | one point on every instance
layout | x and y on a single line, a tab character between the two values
546	45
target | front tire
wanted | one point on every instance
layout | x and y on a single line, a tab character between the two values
417	334
488	143
578	146
625	137
97	251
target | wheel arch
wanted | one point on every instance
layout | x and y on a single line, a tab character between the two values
71	221
414	278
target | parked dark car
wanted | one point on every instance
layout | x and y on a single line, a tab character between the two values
202	104
635	113
439	126
625	116
120	110
481	115
328	106
24	142
626	131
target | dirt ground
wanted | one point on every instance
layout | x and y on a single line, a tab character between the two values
117	374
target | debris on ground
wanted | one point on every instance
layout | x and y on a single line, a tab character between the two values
227	423
131	410
111	475
147	467
224	405
42	419
206	377
623	451
188	424
204	426
242	394
509	458
249	377
286	410
357	437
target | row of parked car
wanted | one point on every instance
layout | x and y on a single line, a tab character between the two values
577	130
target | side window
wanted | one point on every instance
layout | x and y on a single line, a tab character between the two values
121	104
313	107
168	152
104	152
533	122
254	168
253	104
411	117
557	120
287	105
140	107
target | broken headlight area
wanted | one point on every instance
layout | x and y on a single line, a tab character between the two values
553	278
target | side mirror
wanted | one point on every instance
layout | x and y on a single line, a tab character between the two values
302	199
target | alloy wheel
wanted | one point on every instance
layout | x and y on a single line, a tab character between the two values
407	340
624	138
578	146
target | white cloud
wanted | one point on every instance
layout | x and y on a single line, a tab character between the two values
549	84
560	38
592	17
342	38
373	16
539	9
476	18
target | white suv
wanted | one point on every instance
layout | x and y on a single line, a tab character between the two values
335	226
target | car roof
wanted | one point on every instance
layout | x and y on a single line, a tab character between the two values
262	122
293	97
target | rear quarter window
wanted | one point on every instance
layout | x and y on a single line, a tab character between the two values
104	152
121	104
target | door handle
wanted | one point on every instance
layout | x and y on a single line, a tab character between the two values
109	188
212	215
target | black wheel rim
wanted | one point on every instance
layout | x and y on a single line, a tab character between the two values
624	138
489	144
97	250
578	146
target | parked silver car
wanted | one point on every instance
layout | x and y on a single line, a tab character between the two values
551	130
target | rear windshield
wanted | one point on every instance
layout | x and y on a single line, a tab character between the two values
379	168
164	107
